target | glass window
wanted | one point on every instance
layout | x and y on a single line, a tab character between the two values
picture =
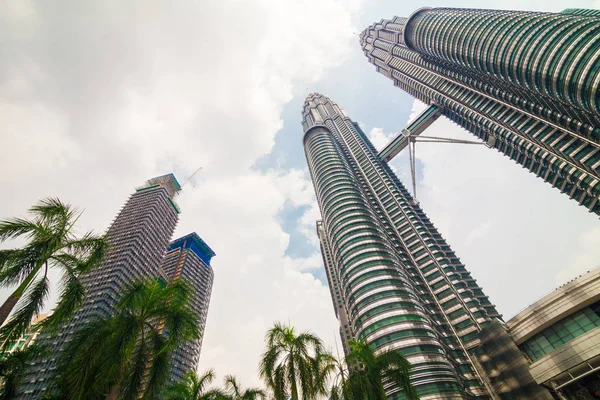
563	332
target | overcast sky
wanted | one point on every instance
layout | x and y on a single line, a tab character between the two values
97	97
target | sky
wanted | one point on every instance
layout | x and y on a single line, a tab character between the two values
96	98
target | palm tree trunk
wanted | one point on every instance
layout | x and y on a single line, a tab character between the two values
14	298
7	307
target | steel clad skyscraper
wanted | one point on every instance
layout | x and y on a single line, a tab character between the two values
526	83
138	238
390	271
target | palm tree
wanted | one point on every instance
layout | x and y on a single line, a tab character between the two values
128	355
234	391
293	363
193	387
13	366
368	371
339	386
51	244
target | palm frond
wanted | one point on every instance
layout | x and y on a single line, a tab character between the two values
22	265
136	294
132	384
267	366
232	386
280	387
89	250
80	362
9	257
29	305
13	367
15	227
51	208
72	296
205	379
177	391
160	364
253	394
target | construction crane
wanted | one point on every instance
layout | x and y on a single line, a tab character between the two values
188	180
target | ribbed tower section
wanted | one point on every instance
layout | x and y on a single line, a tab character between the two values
188	258
335	288
399	281
138	238
527	83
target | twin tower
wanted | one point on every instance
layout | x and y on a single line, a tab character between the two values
525	83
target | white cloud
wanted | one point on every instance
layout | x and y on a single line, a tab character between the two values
478	233
311	263
307	223
586	257
96	99
379	138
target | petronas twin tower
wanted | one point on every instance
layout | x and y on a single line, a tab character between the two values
527	84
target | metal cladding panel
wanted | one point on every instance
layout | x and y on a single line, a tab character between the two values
526	83
400	284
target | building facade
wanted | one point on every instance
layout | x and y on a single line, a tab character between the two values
28	338
335	288
389	269
526	83
138	238
560	336
188	258
553	346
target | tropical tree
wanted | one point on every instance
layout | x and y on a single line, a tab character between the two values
294	364
339	385
234	391
51	243
368	371
193	387
128	355
12	369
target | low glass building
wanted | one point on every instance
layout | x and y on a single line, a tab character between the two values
552	348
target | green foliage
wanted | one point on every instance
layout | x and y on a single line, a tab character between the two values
294	364
12	369
368	371
129	354
234	391
193	387
50	244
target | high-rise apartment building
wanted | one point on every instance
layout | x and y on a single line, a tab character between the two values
390	271
188	258
526	83
138	238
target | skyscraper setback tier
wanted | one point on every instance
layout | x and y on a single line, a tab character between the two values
188	258
137	241
394	276
526	83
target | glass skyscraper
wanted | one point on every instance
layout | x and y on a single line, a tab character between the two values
526	83
188	258
395	282
138	238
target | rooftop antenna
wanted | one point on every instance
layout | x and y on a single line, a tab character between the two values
188	180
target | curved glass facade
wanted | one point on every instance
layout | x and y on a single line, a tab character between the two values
395	282
528	84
